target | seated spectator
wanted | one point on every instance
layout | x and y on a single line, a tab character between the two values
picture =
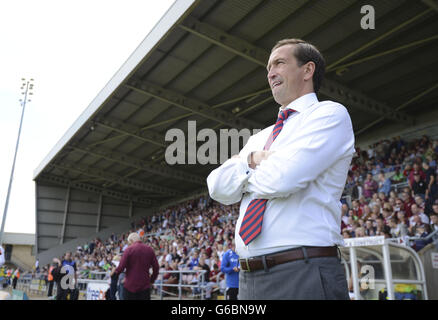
370	230
382	197
398	176
366	211
356	208
433	222
370	186
381	227
384	184
399	205
398	229
214	282
346	234
407	171
407	203
416	171
359	232
357	190
421	233
418	186
170	278
374	201
417	211
386	215
429	172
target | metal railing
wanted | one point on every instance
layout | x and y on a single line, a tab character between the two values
35	285
200	282
93	275
408	241
397	186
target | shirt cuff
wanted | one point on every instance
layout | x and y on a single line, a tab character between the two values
244	160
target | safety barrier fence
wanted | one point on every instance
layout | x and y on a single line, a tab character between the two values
198	281
197	285
409	241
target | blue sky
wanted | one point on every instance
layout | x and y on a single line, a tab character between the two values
71	49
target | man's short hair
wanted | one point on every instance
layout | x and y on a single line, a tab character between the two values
133	237
305	52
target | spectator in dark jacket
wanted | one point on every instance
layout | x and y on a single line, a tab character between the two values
137	259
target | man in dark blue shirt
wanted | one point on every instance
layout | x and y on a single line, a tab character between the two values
67	266
231	267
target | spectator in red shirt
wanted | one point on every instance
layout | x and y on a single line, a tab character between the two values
407	203
416	171
407	170
137	259
370	186
356	208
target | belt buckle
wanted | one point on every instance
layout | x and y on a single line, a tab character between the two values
247	265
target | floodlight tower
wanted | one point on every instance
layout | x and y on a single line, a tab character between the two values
27	86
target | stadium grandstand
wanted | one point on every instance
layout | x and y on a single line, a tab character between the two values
205	61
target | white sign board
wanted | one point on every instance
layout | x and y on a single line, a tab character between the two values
96	291
365	241
434	256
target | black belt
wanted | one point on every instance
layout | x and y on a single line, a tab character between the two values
256	263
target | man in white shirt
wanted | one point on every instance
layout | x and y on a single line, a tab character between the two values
290	212
417	211
2	256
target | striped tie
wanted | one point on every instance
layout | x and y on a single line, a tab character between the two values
252	220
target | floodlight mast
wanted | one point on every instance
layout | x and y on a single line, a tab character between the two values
27	85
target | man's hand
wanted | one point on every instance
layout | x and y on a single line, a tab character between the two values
236	269
257	157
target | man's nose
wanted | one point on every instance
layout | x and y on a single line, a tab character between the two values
271	74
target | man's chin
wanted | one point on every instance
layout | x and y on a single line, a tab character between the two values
278	99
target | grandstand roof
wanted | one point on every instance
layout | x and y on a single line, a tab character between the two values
27	239
205	61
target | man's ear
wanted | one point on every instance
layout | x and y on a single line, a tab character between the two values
309	70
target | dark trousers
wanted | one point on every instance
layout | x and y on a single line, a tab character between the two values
311	279
113	287
14	282
141	295
232	293
49	294
61	294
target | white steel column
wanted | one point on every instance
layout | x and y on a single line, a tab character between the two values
64	222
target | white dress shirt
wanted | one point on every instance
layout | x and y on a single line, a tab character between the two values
2	256
303	179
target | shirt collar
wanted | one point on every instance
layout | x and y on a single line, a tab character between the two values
302	103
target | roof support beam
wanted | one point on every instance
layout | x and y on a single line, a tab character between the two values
192	105
260	56
377	39
64	220
404	105
431	4
99	213
185	197
135	184
131	130
130	210
143	165
157	124
49	178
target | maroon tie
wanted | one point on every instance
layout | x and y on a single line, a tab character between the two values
253	219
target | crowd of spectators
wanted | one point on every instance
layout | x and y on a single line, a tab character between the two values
191	236
391	190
